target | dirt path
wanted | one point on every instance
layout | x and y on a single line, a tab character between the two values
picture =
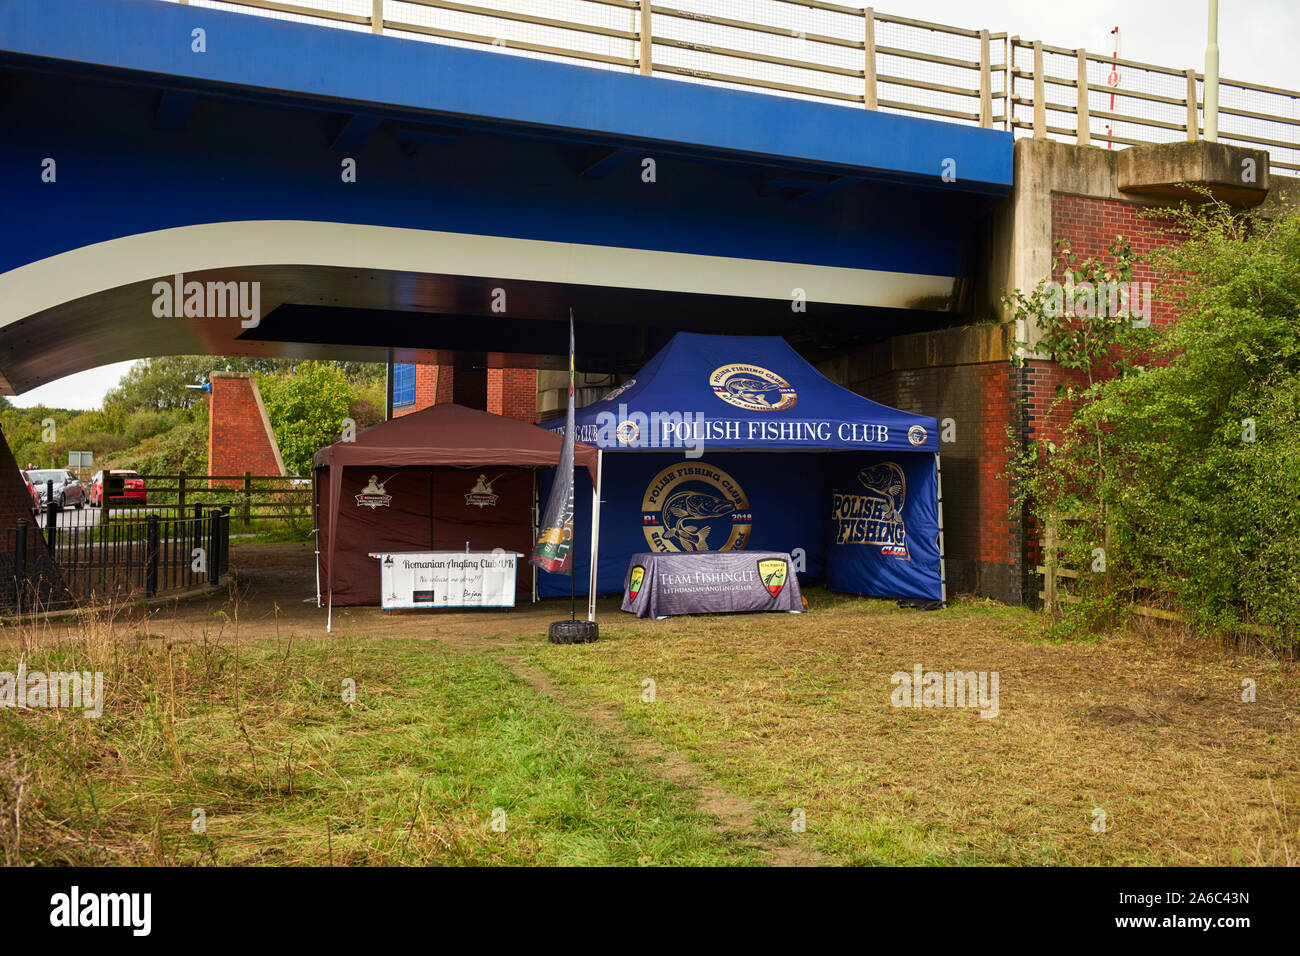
734	813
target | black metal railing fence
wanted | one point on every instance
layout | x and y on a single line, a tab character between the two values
49	565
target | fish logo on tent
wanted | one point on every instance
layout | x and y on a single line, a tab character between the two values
615	393
373	495
481	495
686	507
695	507
752	387
886	480
875	518
773	572
634	582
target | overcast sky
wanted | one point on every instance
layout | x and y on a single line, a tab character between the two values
1258	40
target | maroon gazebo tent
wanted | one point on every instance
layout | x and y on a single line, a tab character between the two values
435	480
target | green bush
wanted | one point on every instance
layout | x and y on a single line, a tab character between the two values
146	423
181	448
1187	462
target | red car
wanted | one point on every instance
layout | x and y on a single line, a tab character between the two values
133	492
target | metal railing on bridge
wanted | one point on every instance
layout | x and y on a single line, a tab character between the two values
833	52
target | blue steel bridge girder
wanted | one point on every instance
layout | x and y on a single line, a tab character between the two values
532	181
298	63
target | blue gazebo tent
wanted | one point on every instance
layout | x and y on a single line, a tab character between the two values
736	442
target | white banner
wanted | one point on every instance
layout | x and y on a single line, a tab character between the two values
447	579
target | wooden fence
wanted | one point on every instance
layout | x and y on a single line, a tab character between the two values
249	497
1055	592
846	54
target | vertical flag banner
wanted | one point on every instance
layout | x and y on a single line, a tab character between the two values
553	550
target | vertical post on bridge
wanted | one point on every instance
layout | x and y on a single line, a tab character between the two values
1040	93
20	564
986	83
595	537
377	16
153	547
1083	120
1008	83
645	61
869	99
1212	76
51	517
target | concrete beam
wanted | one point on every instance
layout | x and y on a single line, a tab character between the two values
942	348
1233	174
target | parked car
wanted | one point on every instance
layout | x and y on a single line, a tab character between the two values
68	489
133	491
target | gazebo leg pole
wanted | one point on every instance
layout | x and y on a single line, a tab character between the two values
595	537
532	567
943	571
315	531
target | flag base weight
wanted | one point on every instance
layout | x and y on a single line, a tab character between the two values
573	632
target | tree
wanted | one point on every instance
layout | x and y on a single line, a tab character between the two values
307	410
160	383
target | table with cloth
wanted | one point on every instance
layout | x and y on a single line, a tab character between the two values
661	584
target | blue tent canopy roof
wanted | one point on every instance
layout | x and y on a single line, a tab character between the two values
743	393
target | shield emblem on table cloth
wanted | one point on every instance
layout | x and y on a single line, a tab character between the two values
634	582
773	573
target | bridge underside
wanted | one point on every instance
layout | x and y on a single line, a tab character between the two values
456	214
324	312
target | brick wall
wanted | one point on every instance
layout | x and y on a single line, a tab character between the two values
512	392
433	384
1090	225
239	436
15	502
15	505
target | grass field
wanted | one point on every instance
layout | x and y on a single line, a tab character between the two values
260	739
1148	728
473	741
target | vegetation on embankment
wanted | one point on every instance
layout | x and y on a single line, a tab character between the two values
153	423
1169	466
